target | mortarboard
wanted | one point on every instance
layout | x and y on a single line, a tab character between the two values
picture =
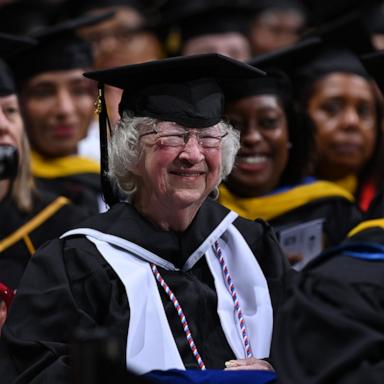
10	45
374	18
343	40
88	5
263	5
334	47
374	63
23	17
274	83
202	17
287	58
58	48
186	90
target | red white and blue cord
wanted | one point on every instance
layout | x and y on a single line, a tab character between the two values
232	290
179	310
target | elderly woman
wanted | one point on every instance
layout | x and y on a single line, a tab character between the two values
183	281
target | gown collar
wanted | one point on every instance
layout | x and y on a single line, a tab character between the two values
124	221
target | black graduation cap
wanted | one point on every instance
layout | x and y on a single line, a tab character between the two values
374	18
261	5
321	12
334	47
58	48
274	83
185	90
88	5
344	39
202	17
9	45
23	17
374	63
287	58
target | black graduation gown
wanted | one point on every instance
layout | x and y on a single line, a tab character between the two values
331	329
291	207
22	233
339	215
82	189
70	285
74	177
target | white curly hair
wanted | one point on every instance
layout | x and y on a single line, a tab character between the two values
124	150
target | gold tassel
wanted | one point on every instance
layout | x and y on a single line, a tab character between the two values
98	103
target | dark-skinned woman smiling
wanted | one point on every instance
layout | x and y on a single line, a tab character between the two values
270	179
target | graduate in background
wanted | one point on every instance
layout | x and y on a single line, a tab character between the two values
337	303
277	24
58	106
270	178
201	26
28	216
182	281
124	38
331	330
341	98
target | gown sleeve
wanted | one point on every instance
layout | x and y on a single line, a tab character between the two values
331	330
66	286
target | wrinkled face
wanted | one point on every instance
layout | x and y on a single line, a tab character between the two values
342	107
11	123
276	29
58	108
263	155
175	172
231	44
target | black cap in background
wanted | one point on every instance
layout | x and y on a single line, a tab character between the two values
274	83
335	47
182	20
200	17
58	48
25	17
374	63
10	45
90	5
288	58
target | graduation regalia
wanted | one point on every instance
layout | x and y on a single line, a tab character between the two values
82	289
74	177
329	209
331	329
22	233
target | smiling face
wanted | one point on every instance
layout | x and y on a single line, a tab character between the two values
175	177
342	107
58	108
263	155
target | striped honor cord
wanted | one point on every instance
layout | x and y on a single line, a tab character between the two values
232	289
180	312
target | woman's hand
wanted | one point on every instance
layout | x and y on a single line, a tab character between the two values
248	364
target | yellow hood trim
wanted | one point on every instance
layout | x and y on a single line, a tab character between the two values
270	206
63	166
365	225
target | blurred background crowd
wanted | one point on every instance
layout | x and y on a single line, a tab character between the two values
311	157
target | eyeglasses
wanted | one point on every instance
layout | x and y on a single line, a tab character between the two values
178	136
